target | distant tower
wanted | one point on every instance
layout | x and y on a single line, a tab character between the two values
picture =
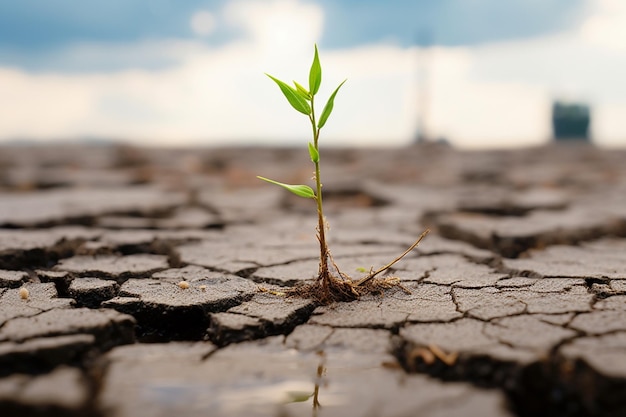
424	62
570	121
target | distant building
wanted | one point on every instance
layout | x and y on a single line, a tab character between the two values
570	121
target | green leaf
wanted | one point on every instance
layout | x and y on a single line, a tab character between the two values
328	108
314	153
296	101
298	396
302	91
315	74
299	190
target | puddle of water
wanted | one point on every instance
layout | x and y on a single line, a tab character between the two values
296	397
288	397
277	382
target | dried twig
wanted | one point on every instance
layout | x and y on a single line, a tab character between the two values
390	264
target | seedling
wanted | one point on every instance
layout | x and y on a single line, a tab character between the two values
327	287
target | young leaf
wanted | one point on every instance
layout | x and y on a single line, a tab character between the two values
328	108
315	74
299	190
296	101
302	91
315	155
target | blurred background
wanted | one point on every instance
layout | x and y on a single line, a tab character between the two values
473	73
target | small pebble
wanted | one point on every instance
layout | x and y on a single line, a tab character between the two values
202	288
24	293
183	284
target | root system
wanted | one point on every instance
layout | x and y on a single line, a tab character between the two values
331	287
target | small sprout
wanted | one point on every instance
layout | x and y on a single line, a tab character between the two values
328	287
183	285
24	293
362	270
303	101
202	288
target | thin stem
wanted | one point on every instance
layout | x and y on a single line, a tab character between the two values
316	393
390	264
323	272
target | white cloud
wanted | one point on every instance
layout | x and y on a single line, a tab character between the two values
608	124
476	113
492	95
607	27
202	23
278	28
40	106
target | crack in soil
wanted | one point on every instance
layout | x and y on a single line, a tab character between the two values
540	388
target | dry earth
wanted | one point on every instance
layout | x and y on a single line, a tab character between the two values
517	303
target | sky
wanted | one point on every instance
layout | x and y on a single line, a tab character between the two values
482	73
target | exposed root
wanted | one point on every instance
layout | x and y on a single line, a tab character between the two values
327	290
330	288
343	289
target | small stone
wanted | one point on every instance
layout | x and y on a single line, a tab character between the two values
24	293
184	285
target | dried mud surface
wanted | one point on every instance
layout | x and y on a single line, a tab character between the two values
146	282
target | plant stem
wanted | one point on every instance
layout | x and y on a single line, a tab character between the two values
323	272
